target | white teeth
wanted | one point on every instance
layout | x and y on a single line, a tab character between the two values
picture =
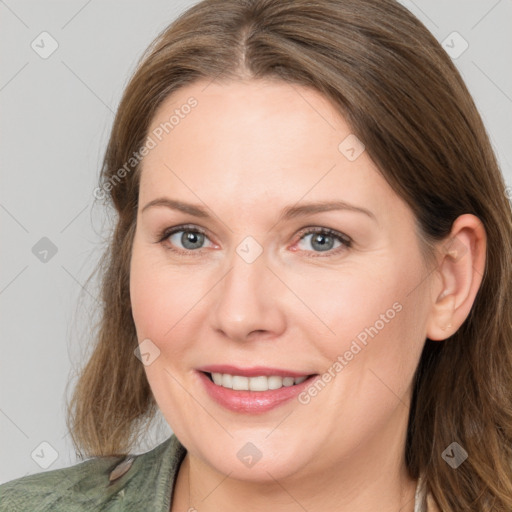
257	383
227	380
240	383
288	381
261	383
274	382
217	378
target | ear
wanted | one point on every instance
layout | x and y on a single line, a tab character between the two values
460	273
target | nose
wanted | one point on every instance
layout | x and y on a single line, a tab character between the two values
249	300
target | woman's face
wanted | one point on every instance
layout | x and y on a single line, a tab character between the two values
259	288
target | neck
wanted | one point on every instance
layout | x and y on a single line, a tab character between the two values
387	493
373	479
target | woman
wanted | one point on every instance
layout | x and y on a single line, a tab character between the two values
309	276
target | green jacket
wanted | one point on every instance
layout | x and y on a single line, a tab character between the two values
135	483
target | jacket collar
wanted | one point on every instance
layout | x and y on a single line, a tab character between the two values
424	502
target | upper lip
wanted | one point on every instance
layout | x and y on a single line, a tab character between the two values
253	371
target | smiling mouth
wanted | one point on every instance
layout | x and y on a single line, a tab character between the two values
258	383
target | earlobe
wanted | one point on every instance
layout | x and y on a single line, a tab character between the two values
441	323
461	271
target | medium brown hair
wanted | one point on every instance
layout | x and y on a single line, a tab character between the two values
405	100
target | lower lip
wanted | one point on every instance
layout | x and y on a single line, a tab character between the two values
252	401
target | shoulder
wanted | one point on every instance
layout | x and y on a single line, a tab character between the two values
43	491
100	483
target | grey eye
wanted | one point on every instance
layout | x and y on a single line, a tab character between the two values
189	239
321	241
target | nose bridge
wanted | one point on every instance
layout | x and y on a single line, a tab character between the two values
245	299
247	277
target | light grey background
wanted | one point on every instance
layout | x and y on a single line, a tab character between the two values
56	117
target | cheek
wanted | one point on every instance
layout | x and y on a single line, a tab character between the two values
150	297
348	305
165	300
141	293
374	320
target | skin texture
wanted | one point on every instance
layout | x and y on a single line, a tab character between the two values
246	151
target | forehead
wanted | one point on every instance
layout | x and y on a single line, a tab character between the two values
259	139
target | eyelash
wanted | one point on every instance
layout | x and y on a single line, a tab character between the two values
345	240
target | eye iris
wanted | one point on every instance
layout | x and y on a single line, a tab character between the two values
192	237
321	238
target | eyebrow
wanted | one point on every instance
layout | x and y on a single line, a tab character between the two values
287	213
